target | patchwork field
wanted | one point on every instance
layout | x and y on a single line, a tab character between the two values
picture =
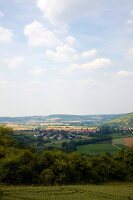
125	142
48	126
86	192
117	144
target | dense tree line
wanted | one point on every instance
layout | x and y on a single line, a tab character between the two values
19	165
105	129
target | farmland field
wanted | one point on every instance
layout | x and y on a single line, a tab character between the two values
125	141
97	148
118	141
122	191
128	142
56	143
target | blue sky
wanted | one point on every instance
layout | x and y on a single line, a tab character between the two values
66	56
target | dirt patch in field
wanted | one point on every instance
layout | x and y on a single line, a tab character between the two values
128	142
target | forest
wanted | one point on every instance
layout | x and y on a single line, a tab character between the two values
25	165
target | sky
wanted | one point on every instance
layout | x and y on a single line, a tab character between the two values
66	57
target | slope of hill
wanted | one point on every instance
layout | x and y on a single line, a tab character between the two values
124	120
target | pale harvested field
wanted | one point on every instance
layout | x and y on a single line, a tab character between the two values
30	126
128	142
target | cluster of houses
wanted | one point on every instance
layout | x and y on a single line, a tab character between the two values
70	133
124	130
59	134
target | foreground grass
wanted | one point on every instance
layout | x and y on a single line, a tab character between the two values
86	192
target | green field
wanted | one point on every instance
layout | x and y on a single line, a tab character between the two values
87	192
56	143
97	148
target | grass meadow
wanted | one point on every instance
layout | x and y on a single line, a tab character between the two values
97	148
122	191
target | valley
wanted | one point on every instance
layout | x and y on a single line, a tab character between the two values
88	134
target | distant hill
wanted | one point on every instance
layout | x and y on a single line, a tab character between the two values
91	120
124	120
82	118
24	119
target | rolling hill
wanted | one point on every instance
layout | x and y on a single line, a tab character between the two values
90	120
62	118
124	120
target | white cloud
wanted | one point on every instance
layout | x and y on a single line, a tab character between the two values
3	84
37	71
129	53
62	29
70	40
131	12
6	84
98	63
63	53
38	35
6	35
89	53
130	21
15	62
67	10
1	14
32	85
88	82
124	74
58	83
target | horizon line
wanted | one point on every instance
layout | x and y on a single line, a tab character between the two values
65	114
